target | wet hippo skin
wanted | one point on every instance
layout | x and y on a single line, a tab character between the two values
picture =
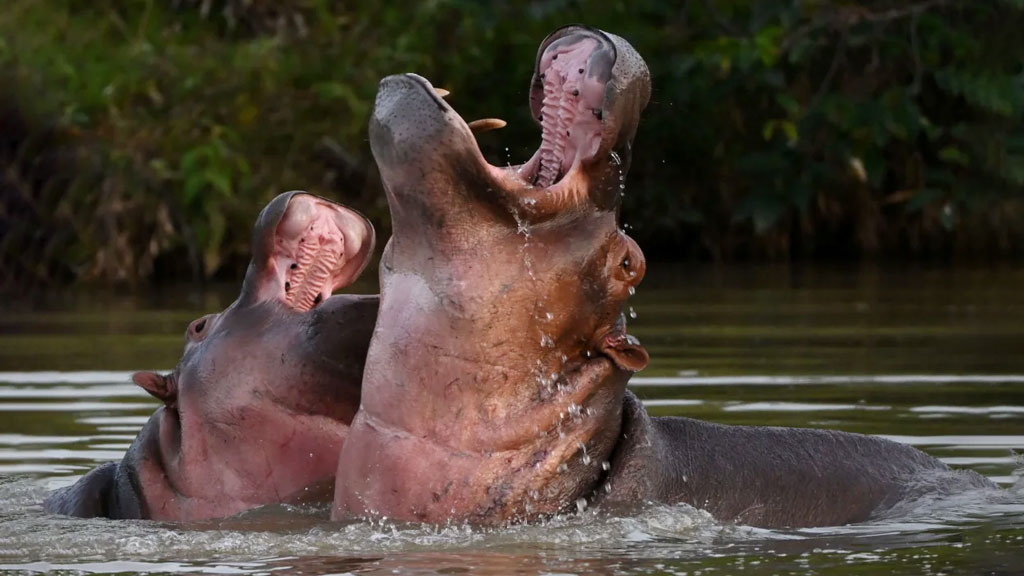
259	405
494	389
769	476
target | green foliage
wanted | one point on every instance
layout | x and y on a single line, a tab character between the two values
778	128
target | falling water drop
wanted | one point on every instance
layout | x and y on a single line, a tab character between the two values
632	290
546	341
606	465
581	505
616	159
632	313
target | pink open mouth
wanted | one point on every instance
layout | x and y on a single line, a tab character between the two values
568	96
319	247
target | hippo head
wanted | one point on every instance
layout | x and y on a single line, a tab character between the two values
502	288
587	92
258	407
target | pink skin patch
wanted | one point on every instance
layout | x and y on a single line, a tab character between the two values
571	111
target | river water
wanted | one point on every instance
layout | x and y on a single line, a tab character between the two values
932	357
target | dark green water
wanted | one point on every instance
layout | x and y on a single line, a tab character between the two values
929	357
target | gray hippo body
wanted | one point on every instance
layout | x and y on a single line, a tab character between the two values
260	404
769	476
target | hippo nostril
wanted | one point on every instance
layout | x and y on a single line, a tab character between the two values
200	325
625	263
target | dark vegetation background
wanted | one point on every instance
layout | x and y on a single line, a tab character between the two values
139	139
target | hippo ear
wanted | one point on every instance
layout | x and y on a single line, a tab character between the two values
626	352
160	387
304	248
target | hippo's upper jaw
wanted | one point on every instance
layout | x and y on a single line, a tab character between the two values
587	92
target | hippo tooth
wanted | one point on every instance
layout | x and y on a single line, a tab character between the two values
486	125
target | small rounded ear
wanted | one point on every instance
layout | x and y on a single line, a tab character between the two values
626	352
160	387
626	262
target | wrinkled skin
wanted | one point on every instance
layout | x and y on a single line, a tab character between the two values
259	405
494	380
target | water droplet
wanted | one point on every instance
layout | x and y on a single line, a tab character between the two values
546	341
632	313
581	505
549	316
562	468
632	290
608	488
606	465
616	159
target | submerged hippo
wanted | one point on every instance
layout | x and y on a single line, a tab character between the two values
495	383
259	405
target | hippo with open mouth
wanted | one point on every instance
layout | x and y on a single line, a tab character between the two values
495	378
259	405
495	382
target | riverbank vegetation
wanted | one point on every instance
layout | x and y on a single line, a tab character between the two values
139	138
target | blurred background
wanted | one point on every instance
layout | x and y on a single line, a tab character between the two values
139	139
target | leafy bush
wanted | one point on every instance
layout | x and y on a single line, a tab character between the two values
143	136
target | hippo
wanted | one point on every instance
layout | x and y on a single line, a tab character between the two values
494	388
495	376
258	407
